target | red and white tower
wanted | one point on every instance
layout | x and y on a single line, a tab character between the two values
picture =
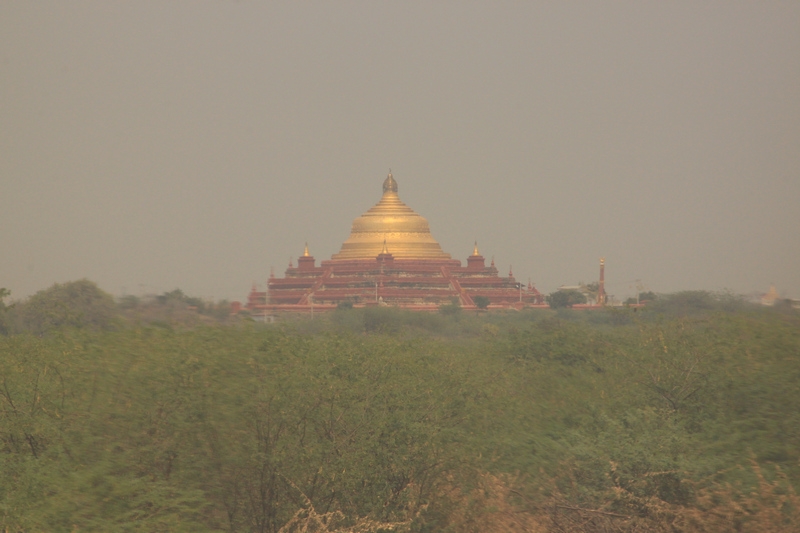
601	289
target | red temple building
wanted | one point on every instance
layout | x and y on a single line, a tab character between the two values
391	259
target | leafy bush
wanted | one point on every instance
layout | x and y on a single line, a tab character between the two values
76	304
482	302
453	309
565	298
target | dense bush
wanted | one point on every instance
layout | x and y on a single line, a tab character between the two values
75	304
384	420
565	298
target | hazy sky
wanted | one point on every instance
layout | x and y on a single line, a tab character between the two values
151	145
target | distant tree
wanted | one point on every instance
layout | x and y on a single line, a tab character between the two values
220	310
451	309
648	296
176	295
482	302
697	302
643	297
129	301
783	304
381	320
592	290
4	326
345	304
565	298
178	298
79	304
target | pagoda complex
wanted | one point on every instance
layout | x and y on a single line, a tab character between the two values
391	259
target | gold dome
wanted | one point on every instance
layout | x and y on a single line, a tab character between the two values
391	224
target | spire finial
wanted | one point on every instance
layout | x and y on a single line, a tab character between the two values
475	251
385	250
305	252
389	184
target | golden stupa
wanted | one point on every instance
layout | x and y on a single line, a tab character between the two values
390	258
392	226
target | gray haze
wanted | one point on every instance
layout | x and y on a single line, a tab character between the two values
151	145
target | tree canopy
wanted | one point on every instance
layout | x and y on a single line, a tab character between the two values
565	298
682	418
481	302
77	304
4	319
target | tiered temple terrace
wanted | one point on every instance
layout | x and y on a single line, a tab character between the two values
391	259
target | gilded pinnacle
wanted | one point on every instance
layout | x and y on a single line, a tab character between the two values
389	184
390	222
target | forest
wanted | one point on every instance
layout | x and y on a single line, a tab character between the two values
170	415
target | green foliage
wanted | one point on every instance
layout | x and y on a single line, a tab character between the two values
591	290
647	296
4	309
75	304
129	301
380	419
453	309
4	293
565	298
693	303
482	302
173	308
784	305
158	429
381	320
178	297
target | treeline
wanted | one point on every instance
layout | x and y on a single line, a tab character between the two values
83	305
681	417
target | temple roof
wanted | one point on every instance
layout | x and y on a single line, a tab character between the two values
405	233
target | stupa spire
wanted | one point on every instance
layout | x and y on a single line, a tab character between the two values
305	251
475	251
389	185
390	219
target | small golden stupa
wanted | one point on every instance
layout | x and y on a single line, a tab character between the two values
770	297
390	225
